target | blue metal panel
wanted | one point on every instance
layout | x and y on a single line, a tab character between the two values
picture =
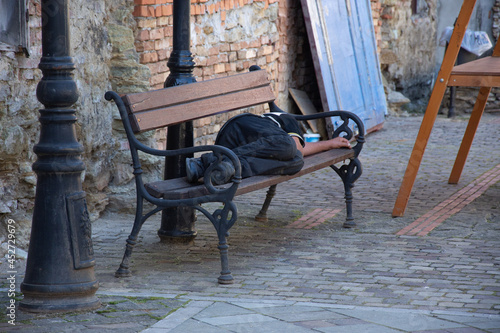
344	50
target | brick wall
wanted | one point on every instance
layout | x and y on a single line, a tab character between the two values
213	57
377	23
227	37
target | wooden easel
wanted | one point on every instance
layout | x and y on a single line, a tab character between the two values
484	73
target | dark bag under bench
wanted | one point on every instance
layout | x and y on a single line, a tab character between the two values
161	108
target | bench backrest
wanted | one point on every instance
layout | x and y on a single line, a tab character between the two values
174	105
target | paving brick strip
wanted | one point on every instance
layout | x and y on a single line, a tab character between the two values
302	272
430	220
314	218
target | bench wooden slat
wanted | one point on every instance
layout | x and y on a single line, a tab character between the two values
168	106
180	188
311	163
180	113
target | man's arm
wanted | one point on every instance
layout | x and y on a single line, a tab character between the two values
316	147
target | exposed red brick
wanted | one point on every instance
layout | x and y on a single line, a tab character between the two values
139	46
219	68
143	35
144	11
147	23
212	60
225	47
153	68
149	57
161	44
214	50
201	62
145	2
230	67
162	67
208	71
169	31
163	54
232	56
265	50
158	80
158	11
157	33
255	43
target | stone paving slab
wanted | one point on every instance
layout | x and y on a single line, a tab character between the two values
321	279
255	316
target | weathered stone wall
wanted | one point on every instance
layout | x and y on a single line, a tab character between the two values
99	30
496	20
407	55
18	130
409	51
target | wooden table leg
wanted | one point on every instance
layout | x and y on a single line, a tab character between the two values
475	117
449	60
419	149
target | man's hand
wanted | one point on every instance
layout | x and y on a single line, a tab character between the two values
339	142
316	147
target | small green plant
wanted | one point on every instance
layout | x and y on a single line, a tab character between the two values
106	311
297	213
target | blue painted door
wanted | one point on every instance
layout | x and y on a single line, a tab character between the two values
345	57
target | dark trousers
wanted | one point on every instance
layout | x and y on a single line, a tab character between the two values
262	147
271	155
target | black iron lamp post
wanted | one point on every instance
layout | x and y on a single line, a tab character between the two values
178	222
60	267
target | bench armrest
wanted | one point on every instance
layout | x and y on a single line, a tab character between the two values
136	145
344	129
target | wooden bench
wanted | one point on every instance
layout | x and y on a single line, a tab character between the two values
169	106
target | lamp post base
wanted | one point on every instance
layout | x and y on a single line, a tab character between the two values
63	298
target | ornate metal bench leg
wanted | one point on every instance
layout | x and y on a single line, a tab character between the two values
349	174
123	270
262	216
349	219
222	225
225	274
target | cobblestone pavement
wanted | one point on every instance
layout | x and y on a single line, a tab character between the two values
322	278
